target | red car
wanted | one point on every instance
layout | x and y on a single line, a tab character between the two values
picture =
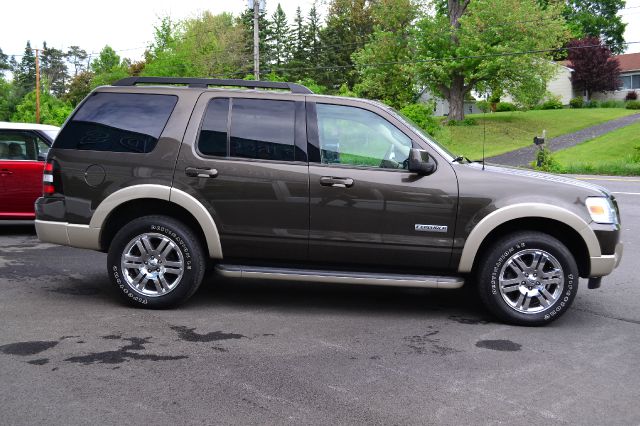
23	151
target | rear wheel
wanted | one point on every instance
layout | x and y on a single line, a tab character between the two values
156	262
528	278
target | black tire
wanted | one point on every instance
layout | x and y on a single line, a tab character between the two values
184	253
496	276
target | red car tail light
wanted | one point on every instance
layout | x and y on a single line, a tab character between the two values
48	186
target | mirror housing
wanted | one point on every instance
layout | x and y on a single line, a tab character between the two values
420	162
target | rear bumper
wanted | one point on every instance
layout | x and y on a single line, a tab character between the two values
68	234
605	264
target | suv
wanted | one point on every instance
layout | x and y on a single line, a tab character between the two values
171	176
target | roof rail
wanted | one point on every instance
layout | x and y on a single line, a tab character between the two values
204	83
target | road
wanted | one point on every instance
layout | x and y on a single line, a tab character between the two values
281	353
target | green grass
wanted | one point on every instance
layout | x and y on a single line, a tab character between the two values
616	153
507	131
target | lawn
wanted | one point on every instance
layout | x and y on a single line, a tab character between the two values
616	153
507	131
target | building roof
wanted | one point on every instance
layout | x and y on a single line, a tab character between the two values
628	62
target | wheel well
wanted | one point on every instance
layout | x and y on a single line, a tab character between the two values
130	210
566	234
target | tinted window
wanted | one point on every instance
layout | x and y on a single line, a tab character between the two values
263	129
17	145
120	122
357	137
213	134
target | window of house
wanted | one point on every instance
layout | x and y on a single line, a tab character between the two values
625	82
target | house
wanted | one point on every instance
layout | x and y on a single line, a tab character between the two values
441	106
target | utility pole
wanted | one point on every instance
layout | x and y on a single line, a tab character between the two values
37	86
256	40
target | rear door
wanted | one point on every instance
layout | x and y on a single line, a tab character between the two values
21	168
366	207
244	158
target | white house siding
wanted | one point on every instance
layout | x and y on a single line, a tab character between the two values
560	85
618	94
442	105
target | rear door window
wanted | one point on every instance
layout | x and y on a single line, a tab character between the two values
118	122
18	145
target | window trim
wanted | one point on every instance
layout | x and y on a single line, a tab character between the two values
313	135
299	134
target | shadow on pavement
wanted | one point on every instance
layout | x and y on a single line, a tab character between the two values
17	228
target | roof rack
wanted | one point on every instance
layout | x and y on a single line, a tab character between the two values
204	83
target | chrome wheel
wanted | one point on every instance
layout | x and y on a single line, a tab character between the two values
152	264
531	281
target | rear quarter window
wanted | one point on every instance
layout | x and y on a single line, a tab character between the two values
118	122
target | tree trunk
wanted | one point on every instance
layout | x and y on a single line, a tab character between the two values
456	98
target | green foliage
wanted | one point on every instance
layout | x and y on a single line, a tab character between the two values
612	103
52	110
552	103
8	99
53	68
422	116
479	34
505	106
592	104
313	86
545	161
389	44
79	88
345	91
24	73
633	105
577	102
281	40
484	106
597	18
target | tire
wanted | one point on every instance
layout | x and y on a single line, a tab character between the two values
518	292
156	262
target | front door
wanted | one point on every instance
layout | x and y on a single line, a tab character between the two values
20	173
245	159
366	207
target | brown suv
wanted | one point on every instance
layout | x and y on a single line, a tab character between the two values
171	175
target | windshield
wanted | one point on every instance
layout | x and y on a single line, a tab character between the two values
427	137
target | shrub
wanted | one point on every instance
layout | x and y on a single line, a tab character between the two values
592	104
483	106
505	106
546	162
421	115
612	104
631	96
633	105
576	102
469	122
553	103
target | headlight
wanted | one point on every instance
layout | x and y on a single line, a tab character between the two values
601	210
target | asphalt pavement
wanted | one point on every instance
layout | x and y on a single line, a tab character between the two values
245	352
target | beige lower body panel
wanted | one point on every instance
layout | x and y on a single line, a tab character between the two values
604	265
68	234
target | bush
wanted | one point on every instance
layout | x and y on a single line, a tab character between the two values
546	162
421	115
576	102
612	104
631	96
592	104
505	106
553	103
484	106
633	105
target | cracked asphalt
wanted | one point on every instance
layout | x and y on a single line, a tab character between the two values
245	352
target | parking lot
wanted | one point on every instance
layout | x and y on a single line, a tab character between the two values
273	352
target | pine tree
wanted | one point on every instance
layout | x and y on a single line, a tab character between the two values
264	27
76	56
54	69
24	72
280	41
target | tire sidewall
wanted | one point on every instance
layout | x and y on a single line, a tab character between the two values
489	277
187	244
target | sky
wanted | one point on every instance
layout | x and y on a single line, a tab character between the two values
127	26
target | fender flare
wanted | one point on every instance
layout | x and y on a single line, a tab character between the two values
520	211
165	193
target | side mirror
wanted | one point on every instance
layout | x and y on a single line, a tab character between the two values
420	163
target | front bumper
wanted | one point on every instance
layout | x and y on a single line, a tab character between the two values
605	264
68	234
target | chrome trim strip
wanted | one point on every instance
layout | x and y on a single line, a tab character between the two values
340	277
518	211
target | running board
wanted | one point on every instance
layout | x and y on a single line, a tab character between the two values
339	277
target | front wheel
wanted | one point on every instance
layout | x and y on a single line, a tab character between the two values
156	262
528	278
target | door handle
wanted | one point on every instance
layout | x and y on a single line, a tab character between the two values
201	173
336	182
5	172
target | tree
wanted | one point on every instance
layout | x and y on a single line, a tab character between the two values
393	82
24	72
79	88
483	44
597	18
349	25
52	110
107	68
312	45
594	70
4	62
76	56
281	39
299	49
264	34
53	68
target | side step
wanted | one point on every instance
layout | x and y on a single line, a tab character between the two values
339	277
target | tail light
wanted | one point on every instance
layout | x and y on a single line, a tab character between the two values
48	184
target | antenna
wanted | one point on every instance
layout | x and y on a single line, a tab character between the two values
484	134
